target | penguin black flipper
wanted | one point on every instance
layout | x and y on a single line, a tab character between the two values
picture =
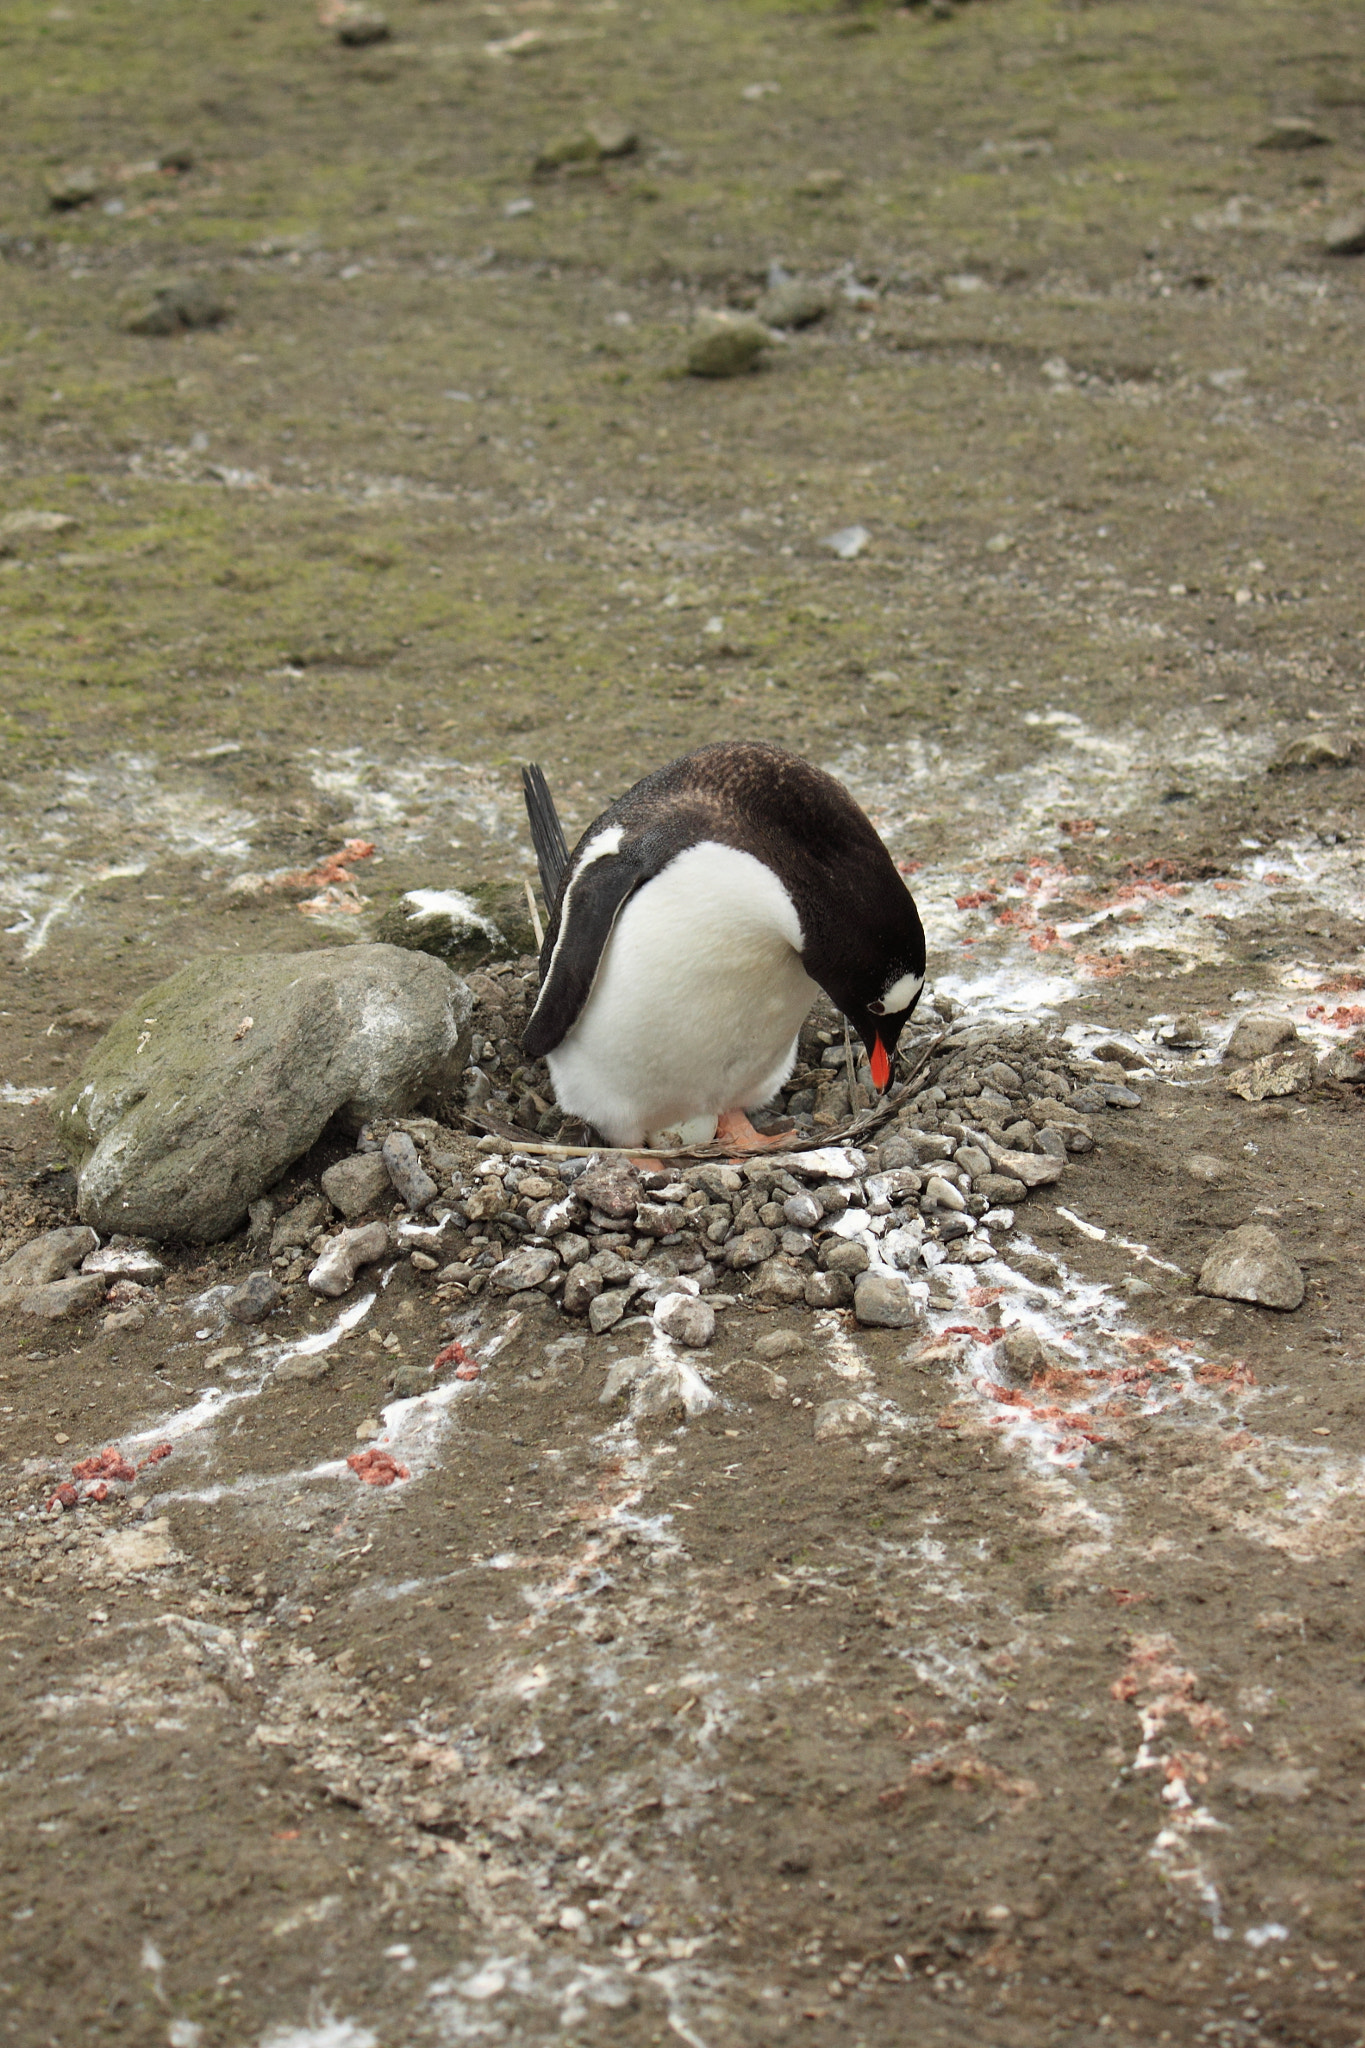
608	871
547	834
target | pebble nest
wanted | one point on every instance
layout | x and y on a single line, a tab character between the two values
988	1112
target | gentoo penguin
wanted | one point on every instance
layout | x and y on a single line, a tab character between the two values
691	928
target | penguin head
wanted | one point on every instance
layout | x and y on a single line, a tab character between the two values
873	969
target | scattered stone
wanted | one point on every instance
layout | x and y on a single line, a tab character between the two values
35	522
1022	1355
1208	1170
1313	750
581	1288
258	1296
777	1279
133	1318
1284	1782
1293	132
458	926
412	1183
1034	1169
750	1249
60	1299
126	1262
848	543
615	1191
725	344
66	190
607	1308
824	184
358	1183
1346	235
529	1267
171	308
1279	1073
357	27
603	136
1345	1062
49	1257
1254	1037
778	1344
297	1227
842	1255
410	1381
686	1318
828	1290
840	1419
1251	1264
344	1255
943	1194
179	1123
794	304
883	1301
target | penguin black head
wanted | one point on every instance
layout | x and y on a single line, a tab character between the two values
872	964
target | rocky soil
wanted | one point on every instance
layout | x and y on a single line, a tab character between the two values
900	1588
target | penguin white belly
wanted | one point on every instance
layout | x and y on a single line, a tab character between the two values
697	1001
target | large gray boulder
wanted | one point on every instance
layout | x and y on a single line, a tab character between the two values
216	1080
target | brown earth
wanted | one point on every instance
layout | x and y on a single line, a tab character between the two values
601	1730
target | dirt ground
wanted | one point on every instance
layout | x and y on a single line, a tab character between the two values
595	1730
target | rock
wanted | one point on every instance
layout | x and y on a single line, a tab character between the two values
1313	750
898	1151
1279	1073
1293	132
1022	1355
357	27
62	1298
794	304
941	1194
901	1247
49	1257
607	1309
842	1255
1345	1062
778	1344
828	1290
179	1123
410	1381
1345	236
344	1255
297	1226
460	927
192	302
883	1301
69	189
126	1262
1002	1187
412	1183
125	1319
725	344
669	1384
821	184
1251	1264
356	1184
802	1211
840	1419
258	1296
1254	1037
1034	1169
32	521
614	1191
750	1248
660	1219
1284	1782
605	135
529	1267
581	1288
1210	1172
777	1279
686	1318
848	543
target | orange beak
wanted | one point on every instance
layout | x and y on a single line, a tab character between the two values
881	1065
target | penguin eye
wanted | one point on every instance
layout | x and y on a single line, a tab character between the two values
876	1009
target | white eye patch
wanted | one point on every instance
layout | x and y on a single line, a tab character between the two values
901	994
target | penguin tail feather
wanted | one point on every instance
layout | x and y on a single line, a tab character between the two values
547	834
